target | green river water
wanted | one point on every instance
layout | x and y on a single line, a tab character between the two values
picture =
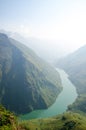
65	98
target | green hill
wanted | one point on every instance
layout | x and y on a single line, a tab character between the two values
26	81
66	121
75	65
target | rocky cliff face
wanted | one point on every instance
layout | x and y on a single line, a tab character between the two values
26	81
75	65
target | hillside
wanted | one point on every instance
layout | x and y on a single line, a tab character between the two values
8	121
26	81
66	121
75	65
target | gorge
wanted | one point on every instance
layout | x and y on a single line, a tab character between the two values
65	98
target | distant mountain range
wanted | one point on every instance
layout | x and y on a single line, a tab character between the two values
75	65
48	50
26	81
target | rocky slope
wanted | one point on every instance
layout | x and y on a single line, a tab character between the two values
75	65
26	81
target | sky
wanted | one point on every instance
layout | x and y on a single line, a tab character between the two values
62	21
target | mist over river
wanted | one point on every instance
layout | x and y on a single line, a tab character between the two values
65	98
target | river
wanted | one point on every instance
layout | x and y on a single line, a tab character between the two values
65	98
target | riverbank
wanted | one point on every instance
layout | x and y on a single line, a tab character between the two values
65	98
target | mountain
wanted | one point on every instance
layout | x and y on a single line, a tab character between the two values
75	65
48	50
26	81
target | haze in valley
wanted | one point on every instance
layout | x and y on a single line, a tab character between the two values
52	28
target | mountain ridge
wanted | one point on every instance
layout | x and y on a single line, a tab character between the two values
75	65
26	81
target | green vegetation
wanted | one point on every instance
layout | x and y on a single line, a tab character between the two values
66	121
7	120
75	65
79	104
26	81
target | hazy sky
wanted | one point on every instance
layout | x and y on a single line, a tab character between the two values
61	20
